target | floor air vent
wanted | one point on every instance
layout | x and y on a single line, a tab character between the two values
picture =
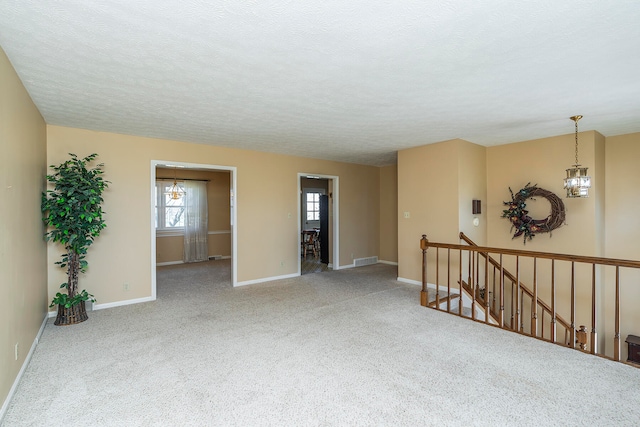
359	262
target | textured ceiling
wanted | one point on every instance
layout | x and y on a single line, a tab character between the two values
353	81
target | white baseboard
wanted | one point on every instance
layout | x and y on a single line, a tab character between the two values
112	304
5	405
162	264
409	281
387	262
122	303
266	279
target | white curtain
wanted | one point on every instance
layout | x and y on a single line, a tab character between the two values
196	223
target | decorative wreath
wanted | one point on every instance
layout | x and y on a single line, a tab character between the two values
517	213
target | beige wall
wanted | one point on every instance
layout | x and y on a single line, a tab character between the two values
389	213
543	162
436	184
427	201
170	248
623	228
23	261
472	185
266	194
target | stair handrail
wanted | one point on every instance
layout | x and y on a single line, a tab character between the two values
523	287
577	336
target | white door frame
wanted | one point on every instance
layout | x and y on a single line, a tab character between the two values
336	218
234	214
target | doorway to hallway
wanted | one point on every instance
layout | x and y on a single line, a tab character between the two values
317	216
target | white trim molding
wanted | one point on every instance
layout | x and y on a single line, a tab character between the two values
16	382
113	304
180	232
234	218
335	214
267	279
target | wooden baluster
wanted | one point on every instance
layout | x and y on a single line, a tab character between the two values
493	293
520	316
487	308
572	338
594	334
437	278
469	270
472	276
518	306
424	298
460	282
477	258
534	304
501	293
553	300
616	337
449	279
512	312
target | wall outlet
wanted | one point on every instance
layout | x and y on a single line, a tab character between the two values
16	351
407	215
125	287
281	263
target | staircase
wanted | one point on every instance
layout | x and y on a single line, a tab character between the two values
539	294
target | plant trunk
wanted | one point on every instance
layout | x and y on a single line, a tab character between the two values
72	273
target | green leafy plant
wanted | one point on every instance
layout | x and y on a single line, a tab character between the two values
73	213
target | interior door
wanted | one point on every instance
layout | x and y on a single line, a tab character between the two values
324	229
311	208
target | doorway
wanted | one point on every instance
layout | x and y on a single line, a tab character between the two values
318	220
166	246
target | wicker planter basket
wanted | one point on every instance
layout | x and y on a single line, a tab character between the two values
72	315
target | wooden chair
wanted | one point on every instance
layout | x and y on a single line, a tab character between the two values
309	239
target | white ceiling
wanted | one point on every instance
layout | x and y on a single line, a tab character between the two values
353	80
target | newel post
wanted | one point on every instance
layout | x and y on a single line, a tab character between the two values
424	243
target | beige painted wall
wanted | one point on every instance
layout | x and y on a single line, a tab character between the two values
543	162
23	260
265	196
623	228
472	185
389	213
170	248
436	182
428	195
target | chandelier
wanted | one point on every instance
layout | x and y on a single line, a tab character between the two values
577	182
175	192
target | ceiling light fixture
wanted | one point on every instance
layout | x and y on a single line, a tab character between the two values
175	191
577	182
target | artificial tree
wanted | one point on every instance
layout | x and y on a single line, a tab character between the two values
73	214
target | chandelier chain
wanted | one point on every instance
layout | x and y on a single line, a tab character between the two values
576	142
575	119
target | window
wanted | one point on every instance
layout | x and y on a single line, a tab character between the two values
313	206
169	212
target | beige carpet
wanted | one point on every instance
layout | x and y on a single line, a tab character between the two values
344	348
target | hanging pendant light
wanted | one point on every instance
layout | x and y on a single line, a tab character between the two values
577	182
175	191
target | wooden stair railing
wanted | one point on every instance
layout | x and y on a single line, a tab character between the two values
603	292
523	288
